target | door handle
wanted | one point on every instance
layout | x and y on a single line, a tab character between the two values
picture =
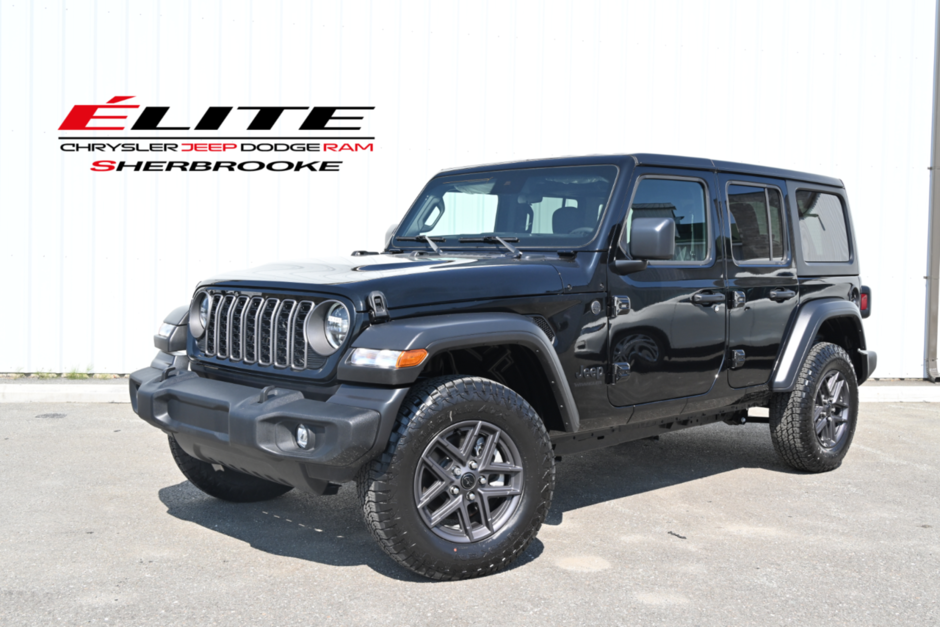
781	295
708	299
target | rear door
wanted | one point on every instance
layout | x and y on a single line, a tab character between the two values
669	341
762	279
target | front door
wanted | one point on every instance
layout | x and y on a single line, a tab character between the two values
763	289
669	341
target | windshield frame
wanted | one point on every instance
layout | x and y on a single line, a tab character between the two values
453	246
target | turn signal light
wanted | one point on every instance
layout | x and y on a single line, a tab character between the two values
864	302
411	358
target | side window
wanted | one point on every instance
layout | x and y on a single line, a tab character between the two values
822	227
757	226
684	202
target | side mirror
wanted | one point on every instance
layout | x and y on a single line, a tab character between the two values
650	238
389	234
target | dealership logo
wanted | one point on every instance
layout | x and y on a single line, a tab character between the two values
316	125
150	118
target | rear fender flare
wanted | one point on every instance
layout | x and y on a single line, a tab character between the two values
446	332
809	319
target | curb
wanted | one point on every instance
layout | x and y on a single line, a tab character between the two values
118	393
64	393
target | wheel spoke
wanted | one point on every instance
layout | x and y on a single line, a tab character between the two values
435	467
489	449
485	510
502	469
432	493
836	388
446	510
465	522
451	450
467	447
499	491
819	421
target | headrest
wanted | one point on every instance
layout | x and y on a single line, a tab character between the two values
566	219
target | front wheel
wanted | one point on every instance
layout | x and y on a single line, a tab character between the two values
812	426
465	482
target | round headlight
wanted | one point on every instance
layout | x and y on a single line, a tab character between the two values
204	310
327	327
336	324
199	314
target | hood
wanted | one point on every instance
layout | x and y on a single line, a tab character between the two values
406	280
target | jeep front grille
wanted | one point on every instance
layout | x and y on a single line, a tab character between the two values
257	330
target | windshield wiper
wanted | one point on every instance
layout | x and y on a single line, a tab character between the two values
494	239
424	238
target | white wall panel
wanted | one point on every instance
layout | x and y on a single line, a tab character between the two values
92	262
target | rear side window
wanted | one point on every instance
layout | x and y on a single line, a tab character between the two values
684	202
757	224
823	232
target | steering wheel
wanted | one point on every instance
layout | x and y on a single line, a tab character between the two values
584	230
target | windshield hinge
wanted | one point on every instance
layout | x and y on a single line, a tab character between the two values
378	307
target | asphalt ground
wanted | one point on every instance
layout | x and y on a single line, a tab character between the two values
702	527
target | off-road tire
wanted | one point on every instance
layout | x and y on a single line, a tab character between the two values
225	484
791	413
386	485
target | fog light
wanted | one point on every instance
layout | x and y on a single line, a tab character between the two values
302	436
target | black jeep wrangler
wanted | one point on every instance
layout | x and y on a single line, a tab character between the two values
520	312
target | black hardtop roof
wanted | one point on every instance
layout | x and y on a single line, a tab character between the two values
668	161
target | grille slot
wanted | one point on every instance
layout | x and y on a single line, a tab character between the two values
221	327
266	331
256	330
543	324
299	344
236	324
282	328
251	328
209	336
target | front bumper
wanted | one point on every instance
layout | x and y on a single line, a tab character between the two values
229	424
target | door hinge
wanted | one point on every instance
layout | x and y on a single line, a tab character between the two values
378	307
738	299
737	358
618	305
621	370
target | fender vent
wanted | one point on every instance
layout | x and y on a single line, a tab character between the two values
545	326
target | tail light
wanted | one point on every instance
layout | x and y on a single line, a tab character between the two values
864	301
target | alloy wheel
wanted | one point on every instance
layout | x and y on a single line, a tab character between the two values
468	482
831	410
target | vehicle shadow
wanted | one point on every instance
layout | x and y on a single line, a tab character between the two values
329	529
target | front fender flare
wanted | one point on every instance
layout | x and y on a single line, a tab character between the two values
445	332
809	320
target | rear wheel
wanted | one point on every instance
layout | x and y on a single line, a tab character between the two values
465	482
812	427
225	484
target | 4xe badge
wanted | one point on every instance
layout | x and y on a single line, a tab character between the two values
316	127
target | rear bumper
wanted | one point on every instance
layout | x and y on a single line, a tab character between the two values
869	363
229	424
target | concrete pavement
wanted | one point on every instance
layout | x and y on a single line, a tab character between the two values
702	527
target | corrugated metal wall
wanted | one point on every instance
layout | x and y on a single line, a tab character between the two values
92	262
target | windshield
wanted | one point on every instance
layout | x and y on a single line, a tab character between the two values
537	208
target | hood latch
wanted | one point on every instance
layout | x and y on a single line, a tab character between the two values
378	307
